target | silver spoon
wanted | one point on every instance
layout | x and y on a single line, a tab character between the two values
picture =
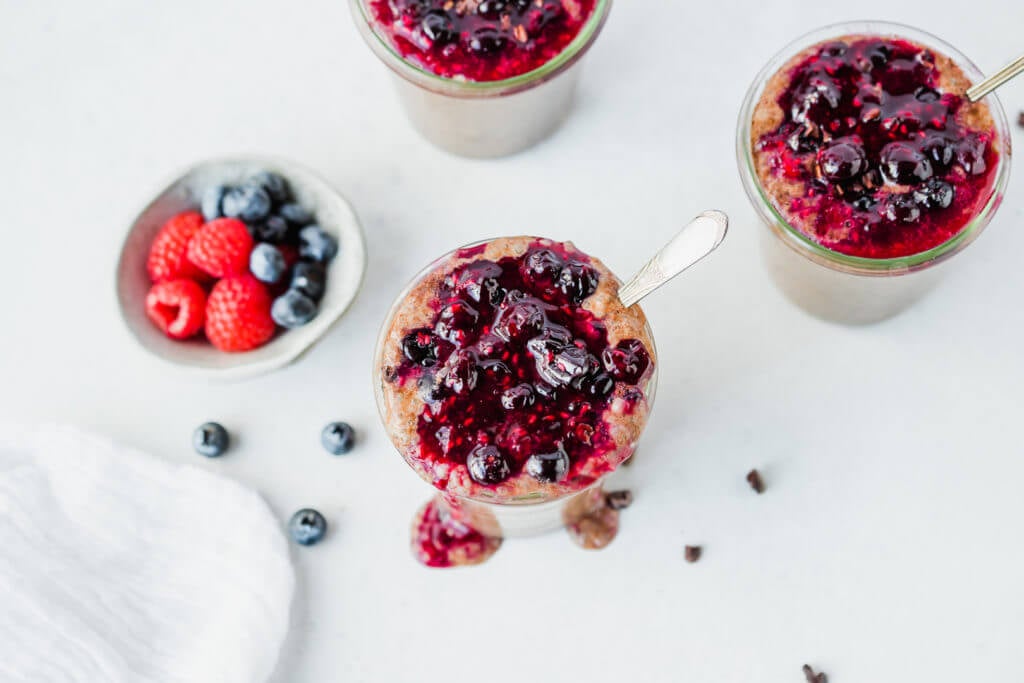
979	90
695	241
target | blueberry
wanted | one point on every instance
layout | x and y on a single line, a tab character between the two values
835	48
805	138
517	397
926	94
971	154
558	364
310	278
901	208
940	151
935	194
542	266
843	159
487	465
628	361
479	281
491	9
296	214
577	281
212	198
338	438
864	203
316	244
248	202
519	318
420	347
904	164
266	263
548	467
598	385
438	26
274	230
307	527
293	309
486	40
210	439
455	321
273	184
461	372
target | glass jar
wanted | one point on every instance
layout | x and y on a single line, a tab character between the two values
840	287
458	115
531	513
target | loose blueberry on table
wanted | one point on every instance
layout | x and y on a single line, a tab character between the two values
307	527
480	40
338	438
251	260
876	152
210	440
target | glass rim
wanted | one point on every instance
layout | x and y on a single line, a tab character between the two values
836	260
414	73
650	390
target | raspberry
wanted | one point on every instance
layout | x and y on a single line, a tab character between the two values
167	255
221	247
178	307
238	314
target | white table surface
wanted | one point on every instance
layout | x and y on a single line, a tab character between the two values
888	545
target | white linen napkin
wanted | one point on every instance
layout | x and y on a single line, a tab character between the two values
116	566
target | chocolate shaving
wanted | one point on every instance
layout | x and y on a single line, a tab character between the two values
1020	120
755	481
814	677
693	553
619	500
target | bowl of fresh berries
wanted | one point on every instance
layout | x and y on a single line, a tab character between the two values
239	266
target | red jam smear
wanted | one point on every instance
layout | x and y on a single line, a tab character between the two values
515	373
889	168
481	40
440	539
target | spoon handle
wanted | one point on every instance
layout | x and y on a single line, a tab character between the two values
979	90
695	241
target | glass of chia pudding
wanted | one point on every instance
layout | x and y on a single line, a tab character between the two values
483	78
857	146
512	379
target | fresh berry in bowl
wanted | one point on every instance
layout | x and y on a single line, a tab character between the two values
239	266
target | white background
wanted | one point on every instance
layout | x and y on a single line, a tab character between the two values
888	547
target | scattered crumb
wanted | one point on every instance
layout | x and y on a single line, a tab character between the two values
693	553
755	481
619	500
1020	120
814	677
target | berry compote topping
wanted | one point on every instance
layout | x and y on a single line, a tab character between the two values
481	40
515	373
889	165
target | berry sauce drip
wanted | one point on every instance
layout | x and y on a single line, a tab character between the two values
481	40
440	539
515	374
889	167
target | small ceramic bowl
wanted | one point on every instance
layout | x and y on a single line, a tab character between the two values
344	275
